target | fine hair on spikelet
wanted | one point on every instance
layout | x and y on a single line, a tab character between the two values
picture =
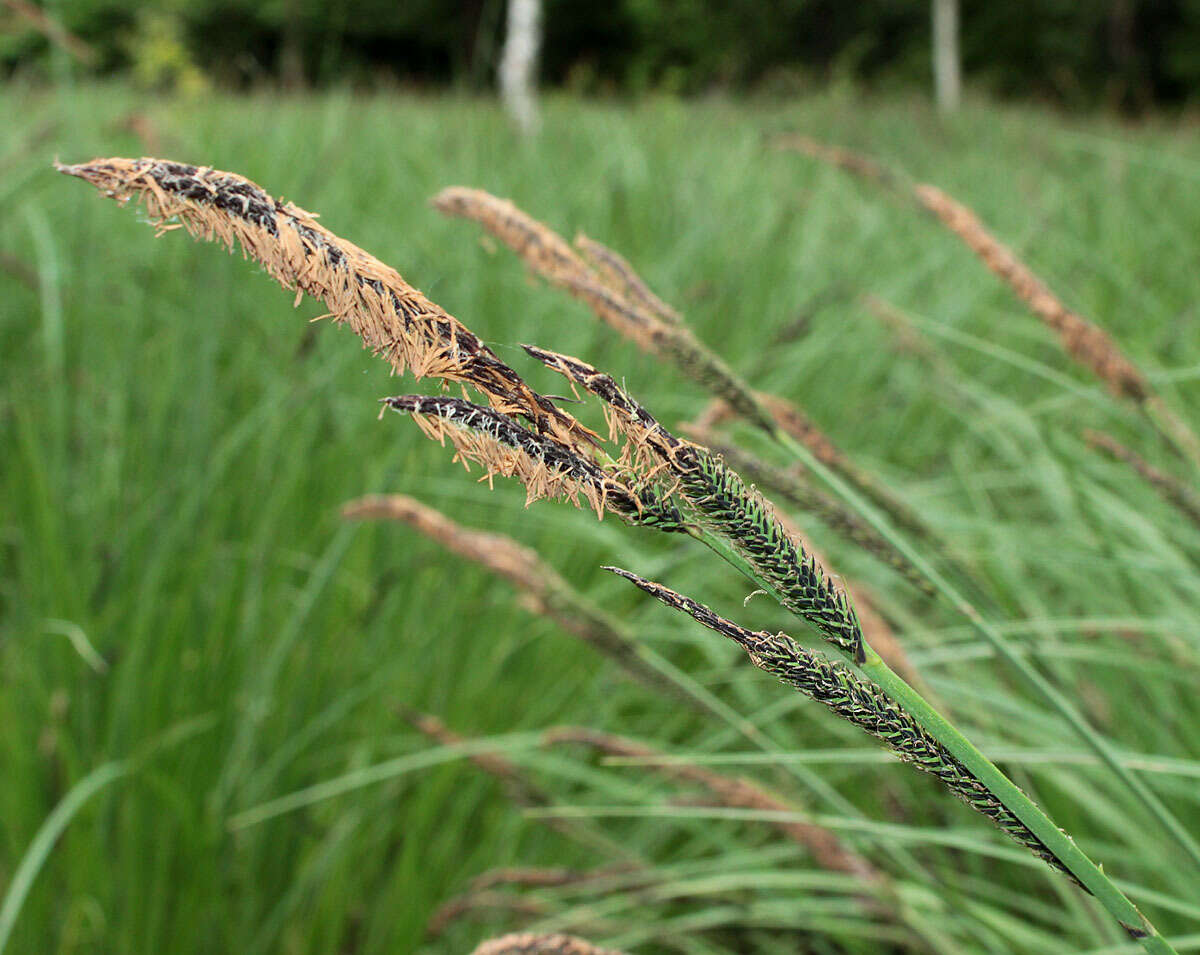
547	468
393	319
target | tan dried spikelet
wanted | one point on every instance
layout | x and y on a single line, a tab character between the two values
540	480
734	792
392	318
524	943
547	467
1084	341
502	555
616	272
621	300
543	249
543	591
550	256
646	446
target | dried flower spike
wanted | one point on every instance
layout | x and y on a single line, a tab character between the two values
547	468
620	276
543	590
1083	340
616	295
732	791
391	317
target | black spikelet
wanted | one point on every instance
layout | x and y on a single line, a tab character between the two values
636	503
859	701
741	515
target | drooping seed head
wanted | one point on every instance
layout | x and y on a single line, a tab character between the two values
393	319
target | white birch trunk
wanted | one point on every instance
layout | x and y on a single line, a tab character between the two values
946	59
519	60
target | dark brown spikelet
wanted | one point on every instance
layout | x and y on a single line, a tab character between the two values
858	701
731	791
1084	341
1169	488
543	590
393	319
547	468
619	275
646	442
616	295
524	943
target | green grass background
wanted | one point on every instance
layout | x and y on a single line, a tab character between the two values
176	441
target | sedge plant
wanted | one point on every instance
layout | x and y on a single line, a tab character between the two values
641	473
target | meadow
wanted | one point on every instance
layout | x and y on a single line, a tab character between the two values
207	670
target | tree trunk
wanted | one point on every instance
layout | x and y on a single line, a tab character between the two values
946	58
519	61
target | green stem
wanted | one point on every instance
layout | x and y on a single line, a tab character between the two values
1048	691
1058	842
1054	839
1173	429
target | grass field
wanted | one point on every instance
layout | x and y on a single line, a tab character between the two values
188	631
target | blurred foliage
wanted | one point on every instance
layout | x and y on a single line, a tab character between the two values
161	58
1123	53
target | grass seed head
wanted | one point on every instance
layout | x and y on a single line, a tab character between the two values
502	555
614	293
393	319
547	468
858	701
1084	341
734	792
749	523
543	249
543	590
619	275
